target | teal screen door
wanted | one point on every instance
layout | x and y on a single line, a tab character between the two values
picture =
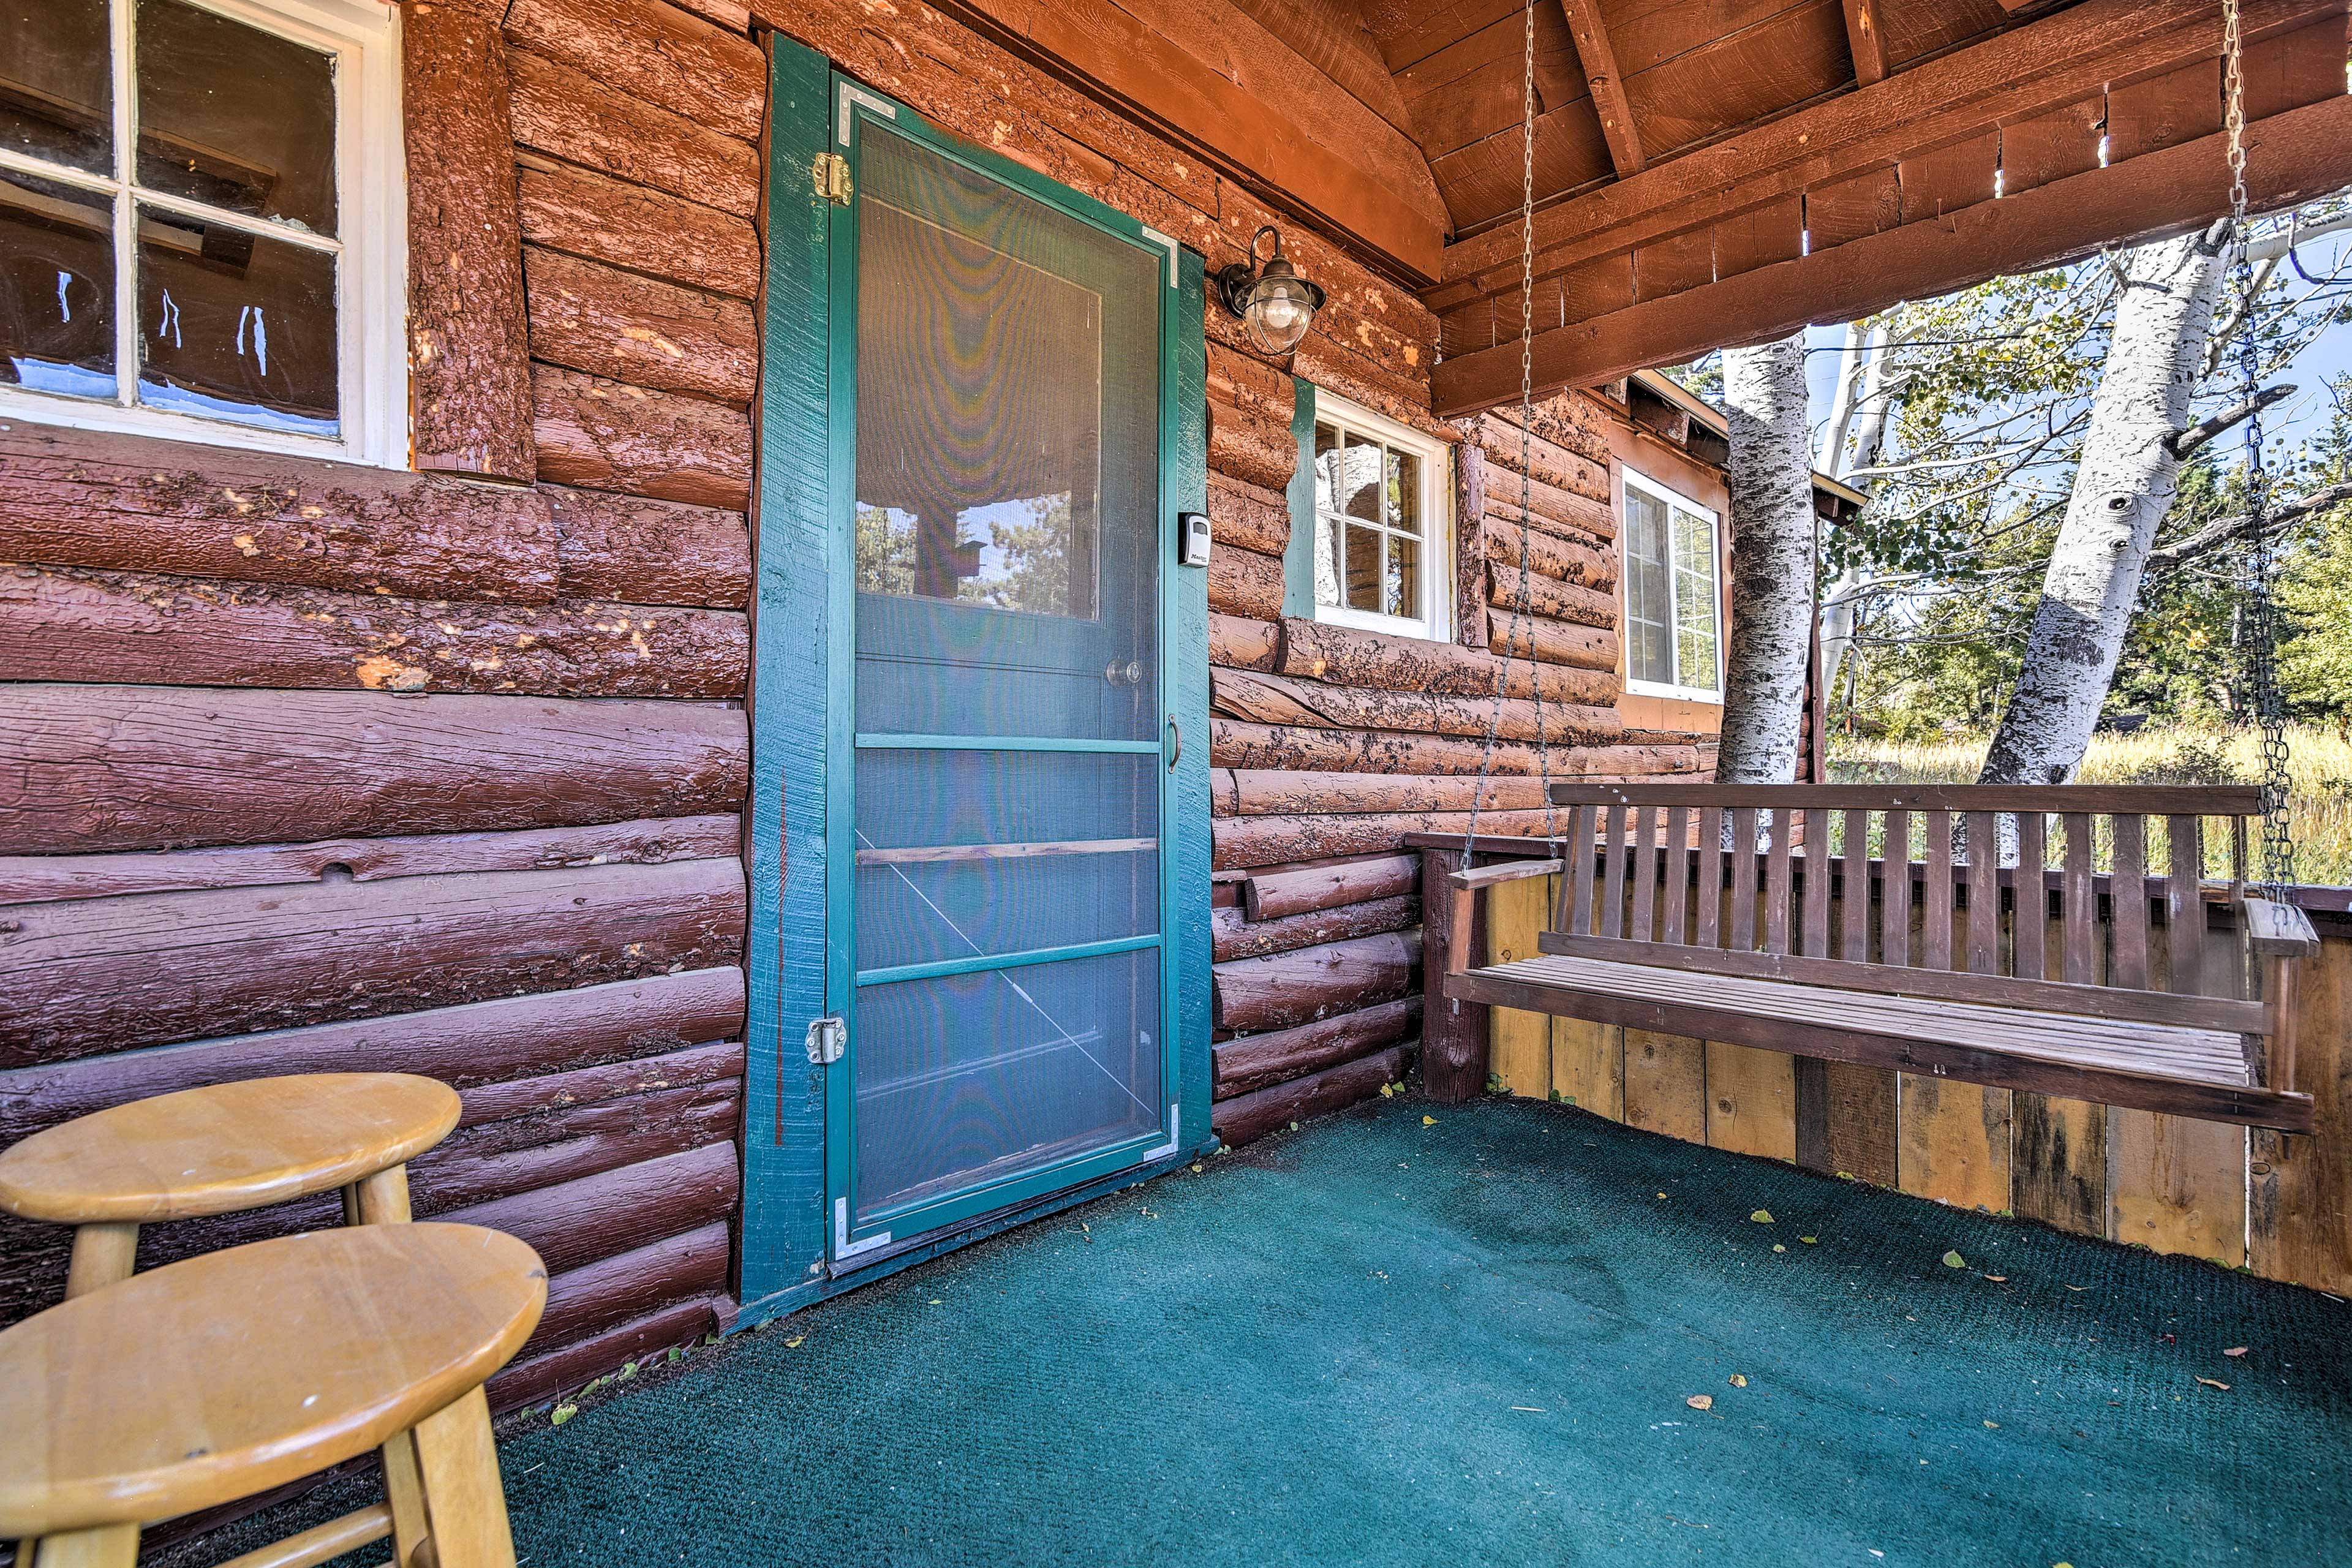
996	895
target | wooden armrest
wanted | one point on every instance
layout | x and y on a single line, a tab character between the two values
2278	931
1511	871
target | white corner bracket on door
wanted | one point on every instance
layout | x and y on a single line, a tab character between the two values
851	94
843	1250
1156	237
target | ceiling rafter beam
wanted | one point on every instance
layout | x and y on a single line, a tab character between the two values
1869	41
2291	157
1600	76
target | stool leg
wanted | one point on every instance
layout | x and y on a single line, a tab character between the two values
107	1546
463	1495
102	1255
380	1199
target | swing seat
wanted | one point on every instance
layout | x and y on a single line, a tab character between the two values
1720	913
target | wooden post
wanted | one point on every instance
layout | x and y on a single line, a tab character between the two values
470	387
1452	1033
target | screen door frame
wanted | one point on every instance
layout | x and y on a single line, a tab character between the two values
1179	742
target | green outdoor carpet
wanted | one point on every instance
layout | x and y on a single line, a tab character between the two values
1379	1341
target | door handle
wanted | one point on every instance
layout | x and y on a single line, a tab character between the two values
1176	732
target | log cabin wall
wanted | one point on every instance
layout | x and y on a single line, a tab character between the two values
315	767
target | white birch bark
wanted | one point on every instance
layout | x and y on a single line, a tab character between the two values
2123	487
1866	422
1771	561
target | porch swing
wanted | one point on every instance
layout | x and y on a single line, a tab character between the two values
1720	912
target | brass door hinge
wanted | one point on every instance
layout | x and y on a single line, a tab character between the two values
833	178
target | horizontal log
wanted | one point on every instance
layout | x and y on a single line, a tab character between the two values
1302	890
1232	935
584	214
1284	699
653	52
1241	643
1243	582
1501	540
589	317
572	116
1240	745
1553	642
113	767
1556	512
479	1044
1244	382
468	365
1251	447
543	1379
1286	988
1248	515
129	628
586	1301
1347	656
695	1065
576	1223
501	1163
113	973
1242	841
1545	459
1249	1117
53	879
640	550
605	435
1270	793
77	498
1255	1061
1534	594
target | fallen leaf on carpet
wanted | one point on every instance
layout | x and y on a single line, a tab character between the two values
1994	1425
1954	1260
562	1412
1998	1278
1762	1217
1778	1247
1429	1121
2235	1350
1811	1240
797	1342
1738	1379
2214	1383
1701	1402
2078	1290
1662	1194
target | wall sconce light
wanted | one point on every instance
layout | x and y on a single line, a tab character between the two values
1276	303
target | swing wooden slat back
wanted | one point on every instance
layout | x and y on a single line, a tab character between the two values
1676	899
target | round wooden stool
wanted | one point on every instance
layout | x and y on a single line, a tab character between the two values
206	1381
220	1149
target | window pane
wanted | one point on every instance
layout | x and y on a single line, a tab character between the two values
1327	468
56	93
1404	492
1695	628
1364	568
1360	478
1648	603
1329	569
56	287
1403	586
234	326
234	117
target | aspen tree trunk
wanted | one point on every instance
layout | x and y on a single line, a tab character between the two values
1867	420
2123	487
1771	594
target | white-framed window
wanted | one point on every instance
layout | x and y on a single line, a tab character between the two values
1674	594
1382	523
201	224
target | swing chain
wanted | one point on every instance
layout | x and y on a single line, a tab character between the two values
2259	628
1526	468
